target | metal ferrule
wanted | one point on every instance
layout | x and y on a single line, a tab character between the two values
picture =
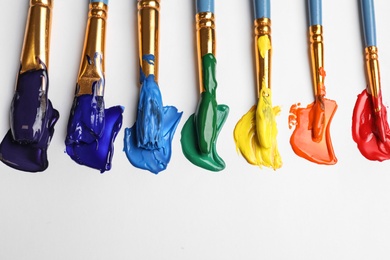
92	70
36	45
205	39
148	35
317	59
372	72
263	55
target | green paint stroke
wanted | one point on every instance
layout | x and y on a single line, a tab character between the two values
206	123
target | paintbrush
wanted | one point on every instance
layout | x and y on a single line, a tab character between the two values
317	112
372	66
150	106
91	128
255	133
311	137
32	116
148	142
200	132
370	129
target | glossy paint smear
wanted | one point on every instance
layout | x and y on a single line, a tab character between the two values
365	130
32	118
304	143
150	111
92	129
255	133
200	132
264	45
148	143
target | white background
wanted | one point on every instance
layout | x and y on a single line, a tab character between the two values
301	211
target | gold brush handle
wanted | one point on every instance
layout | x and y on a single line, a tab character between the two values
263	53
92	59
148	35
317	59
205	39
373	72
36	45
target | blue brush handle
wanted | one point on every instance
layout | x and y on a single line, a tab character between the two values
315	12
99	1
368	16
204	6
262	9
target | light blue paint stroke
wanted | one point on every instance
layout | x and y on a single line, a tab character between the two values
153	160
148	143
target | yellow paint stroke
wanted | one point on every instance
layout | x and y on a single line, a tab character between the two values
264	45
255	133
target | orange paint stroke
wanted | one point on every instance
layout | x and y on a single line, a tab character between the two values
302	142
322	90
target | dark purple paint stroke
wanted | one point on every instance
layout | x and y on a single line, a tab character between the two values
32	118
29	106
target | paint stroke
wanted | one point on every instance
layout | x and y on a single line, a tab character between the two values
255	133
155	159
148	143
317	150
84	144
92	128
87	117
365	129
206	124
149	115
32	118
264	45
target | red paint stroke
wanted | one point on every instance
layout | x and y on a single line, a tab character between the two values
317	150
370	129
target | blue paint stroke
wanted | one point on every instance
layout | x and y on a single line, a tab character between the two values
153	160
92	129
89	149
32	118
148	142
149	115
88	114
149	58
87	119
